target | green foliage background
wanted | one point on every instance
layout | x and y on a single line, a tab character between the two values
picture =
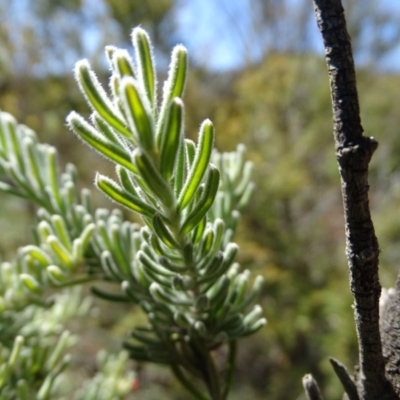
292	233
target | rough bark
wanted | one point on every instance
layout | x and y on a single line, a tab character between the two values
346	380
390	331
354	152
311	388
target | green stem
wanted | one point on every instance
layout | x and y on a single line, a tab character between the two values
187	383
214	383
208	370
230	367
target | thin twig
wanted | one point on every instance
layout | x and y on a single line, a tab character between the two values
311	388
345	379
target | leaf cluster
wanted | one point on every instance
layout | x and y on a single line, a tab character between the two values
179	264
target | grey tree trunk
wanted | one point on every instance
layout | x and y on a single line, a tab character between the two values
378	372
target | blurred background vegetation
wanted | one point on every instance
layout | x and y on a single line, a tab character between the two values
267	88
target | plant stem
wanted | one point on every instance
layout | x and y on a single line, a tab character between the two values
187	383
230	367
208	369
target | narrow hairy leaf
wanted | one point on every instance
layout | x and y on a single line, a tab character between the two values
188	254
177	73
161	295
252	295
156	245
69	196
190	148
152	265
213	270
171	140
177	268
234	326
199	230
153	178
11	126
4	146
56	275
200	164
72	174
208	240
207	198
255	327
253	315
238	163
247	193
180	170
86	235
183	320
16	350
115	297
60	251
118	251
31	283
149	355
151	274
100	143
24	184
164	233
122	63
52	169
97	97
5	188
132	290
109	51
121	196
218	293
145	63
87	203
202	303
58	352
138	113
110	267
174	86
34	164
246	176
103	234
115	84
77	251
230	254
126	181
145	338
44	230
219	226
240	286
61	231
107	131
38	254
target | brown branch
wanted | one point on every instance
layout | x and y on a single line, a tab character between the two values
345	379
354	152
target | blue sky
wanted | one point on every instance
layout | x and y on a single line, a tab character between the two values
220	34
215	32
207	33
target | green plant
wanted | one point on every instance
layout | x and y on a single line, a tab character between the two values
178	265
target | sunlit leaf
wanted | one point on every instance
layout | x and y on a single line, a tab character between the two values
200	164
